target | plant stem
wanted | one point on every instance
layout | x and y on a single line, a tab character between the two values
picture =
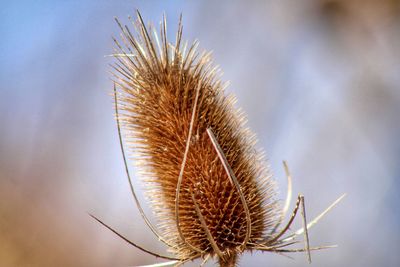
228	261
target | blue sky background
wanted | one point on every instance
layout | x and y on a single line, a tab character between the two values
319	82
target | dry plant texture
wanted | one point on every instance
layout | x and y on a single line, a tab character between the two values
209	187
318	81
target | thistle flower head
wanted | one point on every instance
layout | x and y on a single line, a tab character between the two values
209	186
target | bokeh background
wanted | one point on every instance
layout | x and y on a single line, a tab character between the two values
319	81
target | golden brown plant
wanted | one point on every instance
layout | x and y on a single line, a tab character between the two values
210	188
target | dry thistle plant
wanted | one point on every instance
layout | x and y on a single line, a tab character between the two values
210	189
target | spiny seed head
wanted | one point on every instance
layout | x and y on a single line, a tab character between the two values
157	86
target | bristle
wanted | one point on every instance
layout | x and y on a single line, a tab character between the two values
157	83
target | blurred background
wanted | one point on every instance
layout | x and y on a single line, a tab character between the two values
319	81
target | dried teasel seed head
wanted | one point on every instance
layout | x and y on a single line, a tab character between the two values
209	186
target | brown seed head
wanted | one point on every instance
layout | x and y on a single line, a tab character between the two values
158	83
